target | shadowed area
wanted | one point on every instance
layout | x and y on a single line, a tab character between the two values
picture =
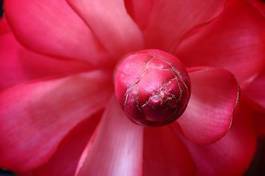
5	172
1	8
257	166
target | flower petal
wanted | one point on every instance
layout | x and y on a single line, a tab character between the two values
64	161
256	98
210	110
255	90
19	64
259	4
235	41
4	28
35	117
170	19
110	22
140	11
53	28
229	156
164	154
115	148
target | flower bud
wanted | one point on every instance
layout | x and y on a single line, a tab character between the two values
152	87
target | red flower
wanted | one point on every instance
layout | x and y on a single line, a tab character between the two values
54	92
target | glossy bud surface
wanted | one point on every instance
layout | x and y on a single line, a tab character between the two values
152	86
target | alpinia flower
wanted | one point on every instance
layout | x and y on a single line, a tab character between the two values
171	63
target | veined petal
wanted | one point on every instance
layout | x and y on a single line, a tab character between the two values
115	148
209	114
65	159
53	28
164	154
35	117
18	64
170	19
235	41
111	23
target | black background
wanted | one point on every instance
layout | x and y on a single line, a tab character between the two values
1	7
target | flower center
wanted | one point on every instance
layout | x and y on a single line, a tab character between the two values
152	87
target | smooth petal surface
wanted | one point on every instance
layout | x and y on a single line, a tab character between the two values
256	98
164	154
259	4
35	117
170	19
229	156
209	114
3	26
18	64
109	20
140	11
64	161
115	147
235	41
53	28
256	90
258	118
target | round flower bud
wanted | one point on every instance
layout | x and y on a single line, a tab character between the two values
152	86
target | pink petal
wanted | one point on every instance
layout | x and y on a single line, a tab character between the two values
259	4
256	98
255	91
53	28
35	117
235	41
170	19
164	154
115	148
214	96
109	20
258	118
19	64
229	156
140	11
64	161
4	28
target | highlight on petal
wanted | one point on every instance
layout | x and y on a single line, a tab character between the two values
209	114
53	28
35	117
115	147
20	65
165	154
234	41
170	20
112	25
64	161
231	155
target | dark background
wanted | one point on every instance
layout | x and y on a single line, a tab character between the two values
257	167
1	7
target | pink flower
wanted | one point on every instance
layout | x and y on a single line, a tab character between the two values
58	115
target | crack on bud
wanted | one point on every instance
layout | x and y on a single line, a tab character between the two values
165	99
